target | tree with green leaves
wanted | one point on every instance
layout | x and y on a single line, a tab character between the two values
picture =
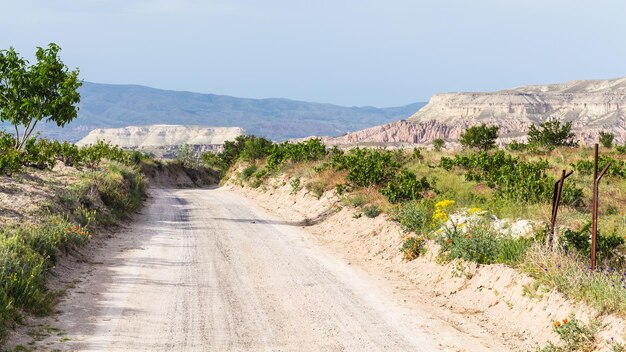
45	91
606	139
552	134
481	136
438	144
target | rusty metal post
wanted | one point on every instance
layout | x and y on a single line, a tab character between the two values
594	212
556	201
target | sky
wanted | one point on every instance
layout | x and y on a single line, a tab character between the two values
346	52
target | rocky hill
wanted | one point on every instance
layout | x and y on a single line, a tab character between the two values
592	106
164	140
115	106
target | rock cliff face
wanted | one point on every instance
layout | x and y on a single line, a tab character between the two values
592	106
164	140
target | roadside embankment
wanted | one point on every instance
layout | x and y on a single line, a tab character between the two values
510	305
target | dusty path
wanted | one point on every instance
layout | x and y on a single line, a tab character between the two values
208	270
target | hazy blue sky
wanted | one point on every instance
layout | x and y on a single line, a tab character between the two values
349	52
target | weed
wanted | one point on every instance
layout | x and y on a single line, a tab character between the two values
413	247
415	216
248	172
371	211
574	336
356	200
295	185
316	189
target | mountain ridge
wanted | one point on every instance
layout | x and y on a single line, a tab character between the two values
117	106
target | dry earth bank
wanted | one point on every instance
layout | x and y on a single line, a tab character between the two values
494	299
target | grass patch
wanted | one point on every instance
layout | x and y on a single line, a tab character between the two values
604	289
28	252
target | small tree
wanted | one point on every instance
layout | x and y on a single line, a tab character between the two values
186	155
45	91
438	144
606	139
552	134
482	137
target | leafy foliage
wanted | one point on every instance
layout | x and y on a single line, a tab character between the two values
312	149
481	137
405	186
574	335
438	144
368	167
617	168
187	156
44	91
580	241
552	134
413	247
372	211
606	139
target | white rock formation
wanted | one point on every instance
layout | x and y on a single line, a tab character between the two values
591	106
162	136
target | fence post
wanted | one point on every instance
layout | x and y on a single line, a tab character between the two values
594	213
556	201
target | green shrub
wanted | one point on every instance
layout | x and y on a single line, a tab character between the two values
68	153
617	168
478	245
356	200
516	146
10	161
512	251
368	167
248	172
22	283
580	241
372	211
186	156
255	148
512	178
413	247
481	137
310	150
316	189
39	153
552	134
121	187
438	144
54	235
405	186
606	139
295	185
415	216
575	336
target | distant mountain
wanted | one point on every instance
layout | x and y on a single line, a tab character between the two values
110	106
592	106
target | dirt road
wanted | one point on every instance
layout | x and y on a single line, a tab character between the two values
208	270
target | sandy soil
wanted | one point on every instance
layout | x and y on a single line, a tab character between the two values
24	196
207	269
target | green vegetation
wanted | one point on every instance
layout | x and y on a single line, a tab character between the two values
438	144
428	192
481	137
512	178
606	139
575	336
552	134
28	252
44	91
